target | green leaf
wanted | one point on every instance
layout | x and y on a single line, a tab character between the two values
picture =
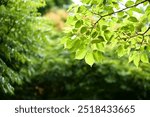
95	41
72	44
144	58
86	1
132	56
109	9
121	14
139	26
138	1
83	29
89	59
98	57
9	88
101	38
100	47
2	9
121	51
94	2
147	10
68	44
138	10
133	19
130	12
81	9
79	23
71	20
80	54
145	3
64	40
107	34
88	33
104	27
129	3
116	5
76	45
136	59
94	34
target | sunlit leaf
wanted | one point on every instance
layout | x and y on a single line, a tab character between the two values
133	19
78	23
98	56
129	3
83	29
89	59
144	58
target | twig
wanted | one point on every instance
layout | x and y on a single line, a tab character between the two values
146	30
124	8
139	34
101	16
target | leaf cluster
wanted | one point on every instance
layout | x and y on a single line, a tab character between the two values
22	35
98	26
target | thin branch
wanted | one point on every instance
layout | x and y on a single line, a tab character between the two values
124	8
139	34
146	30
144	36
117	12
147	35
96	23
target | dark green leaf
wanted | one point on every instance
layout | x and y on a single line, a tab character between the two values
79	23
133	19
83	29
94	34
104	27
95	41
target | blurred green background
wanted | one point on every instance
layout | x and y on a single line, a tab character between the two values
34	65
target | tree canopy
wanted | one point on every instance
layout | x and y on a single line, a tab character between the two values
22	34
97	27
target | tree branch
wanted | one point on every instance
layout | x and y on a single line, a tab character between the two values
146	30
101	16
138	34
124	9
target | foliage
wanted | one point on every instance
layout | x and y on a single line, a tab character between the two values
59	76
109	25
31	54
22	35
62	77
53	3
